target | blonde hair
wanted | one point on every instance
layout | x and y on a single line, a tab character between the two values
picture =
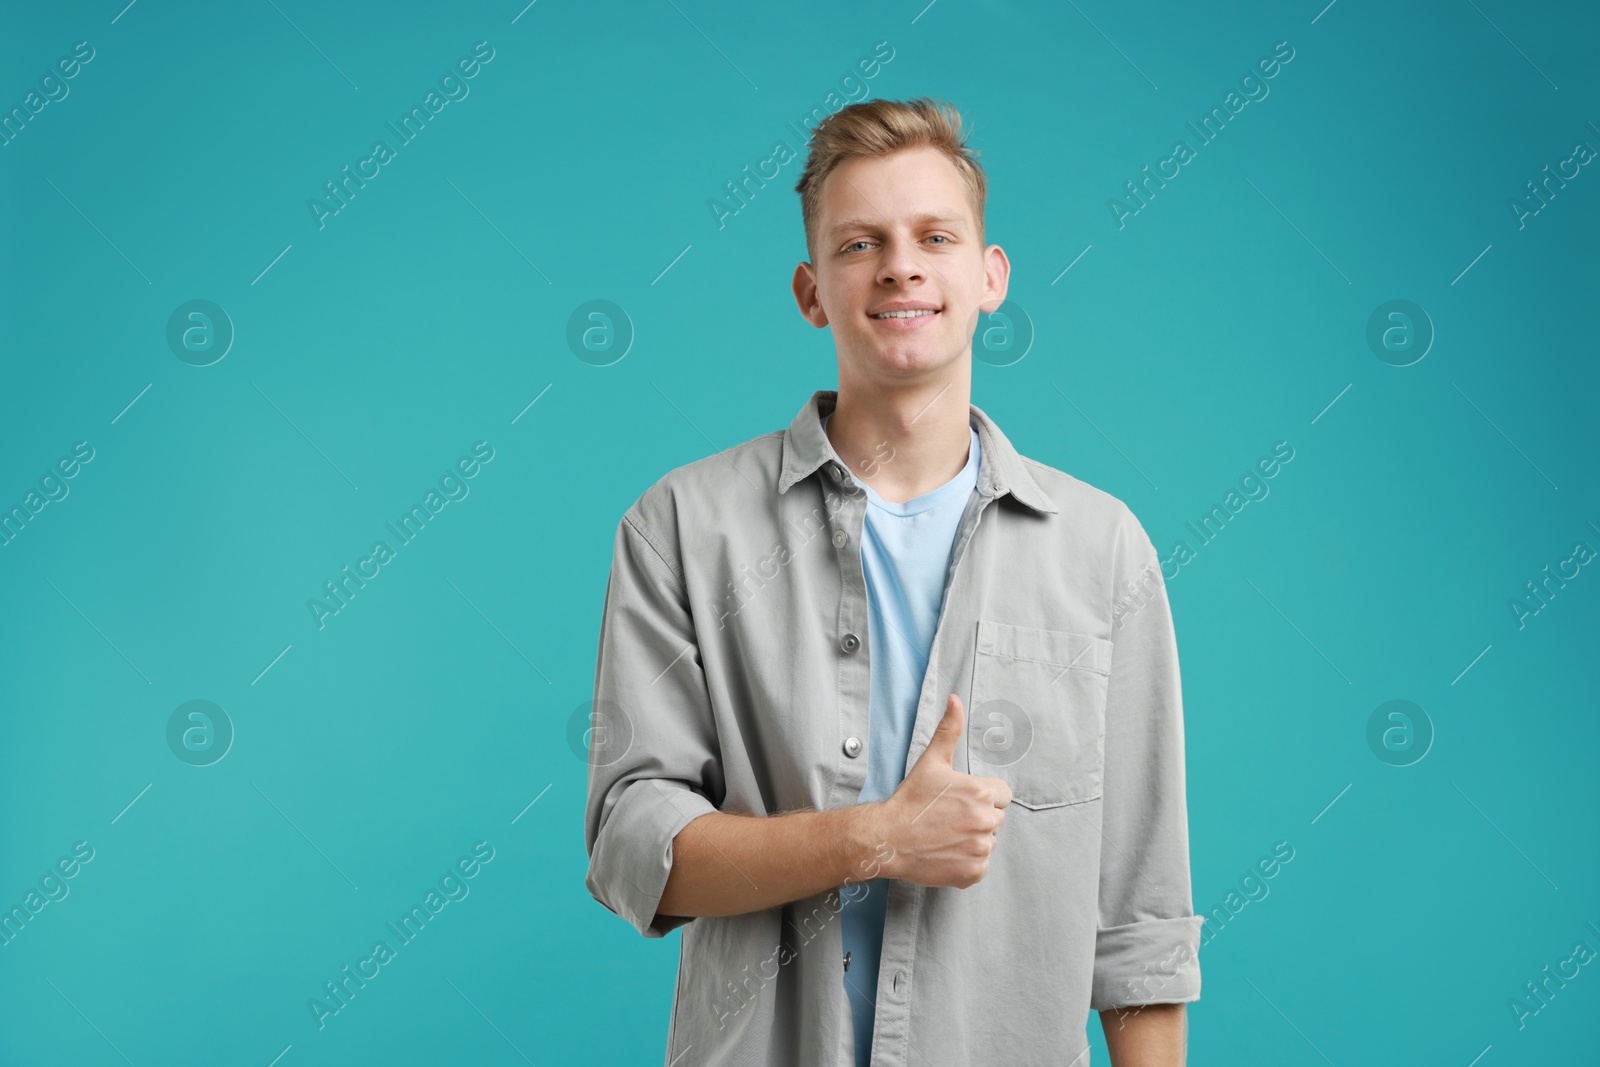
877	128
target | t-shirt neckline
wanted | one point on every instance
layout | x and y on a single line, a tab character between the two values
966	478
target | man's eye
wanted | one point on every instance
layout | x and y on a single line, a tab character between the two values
940	237
853	244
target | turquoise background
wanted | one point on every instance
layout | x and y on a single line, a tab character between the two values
432	712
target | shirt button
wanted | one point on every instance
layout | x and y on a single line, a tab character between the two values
849	642
847	961
833	469
899	980
852	747
839	538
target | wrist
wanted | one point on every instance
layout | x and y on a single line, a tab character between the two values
869	854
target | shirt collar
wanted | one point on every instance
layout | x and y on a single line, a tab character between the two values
806	447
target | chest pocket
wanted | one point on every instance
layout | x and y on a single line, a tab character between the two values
1037	714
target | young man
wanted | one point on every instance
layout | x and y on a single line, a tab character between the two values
887	716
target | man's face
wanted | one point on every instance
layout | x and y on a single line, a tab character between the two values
897	232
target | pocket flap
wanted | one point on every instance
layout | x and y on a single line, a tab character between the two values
1058	647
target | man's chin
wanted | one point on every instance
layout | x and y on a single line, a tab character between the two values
908	359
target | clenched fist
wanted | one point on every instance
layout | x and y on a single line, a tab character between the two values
941	824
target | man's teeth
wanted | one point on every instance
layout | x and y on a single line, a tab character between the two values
903	314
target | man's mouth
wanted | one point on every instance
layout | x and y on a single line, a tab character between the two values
920	313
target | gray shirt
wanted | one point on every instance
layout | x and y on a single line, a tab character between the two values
733	676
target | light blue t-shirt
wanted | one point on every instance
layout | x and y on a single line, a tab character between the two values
905	552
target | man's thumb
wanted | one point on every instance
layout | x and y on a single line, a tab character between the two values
947	733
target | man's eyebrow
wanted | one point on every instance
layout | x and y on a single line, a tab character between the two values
873	224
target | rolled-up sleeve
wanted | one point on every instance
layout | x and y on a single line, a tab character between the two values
1147	947
653	755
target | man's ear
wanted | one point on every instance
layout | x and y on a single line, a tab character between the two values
805	295
996	279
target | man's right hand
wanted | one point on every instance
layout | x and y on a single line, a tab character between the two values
941	824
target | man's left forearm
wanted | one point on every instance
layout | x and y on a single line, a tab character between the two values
1150	1035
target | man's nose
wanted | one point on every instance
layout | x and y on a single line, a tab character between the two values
902	263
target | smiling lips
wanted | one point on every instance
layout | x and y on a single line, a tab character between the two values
908	316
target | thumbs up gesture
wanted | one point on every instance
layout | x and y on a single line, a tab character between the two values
942	823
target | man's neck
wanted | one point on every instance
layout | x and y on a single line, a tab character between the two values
907	442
